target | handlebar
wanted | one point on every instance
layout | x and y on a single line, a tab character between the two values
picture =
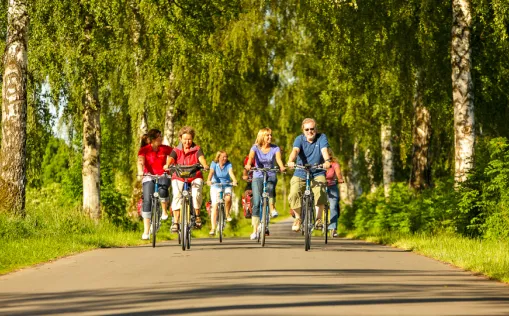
308	167
223	184
185	171
263	169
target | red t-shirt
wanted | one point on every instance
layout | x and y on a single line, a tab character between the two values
331	177
249	174
155	160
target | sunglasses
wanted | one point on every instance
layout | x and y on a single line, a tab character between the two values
309	129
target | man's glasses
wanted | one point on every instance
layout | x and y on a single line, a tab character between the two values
309	129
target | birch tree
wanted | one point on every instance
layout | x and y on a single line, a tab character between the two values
14	110
462	89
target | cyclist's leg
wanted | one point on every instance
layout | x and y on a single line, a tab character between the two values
333	196
228	202
214	192
164	183
271	189
148	190
257	189
318	185
176	203
297	187
196	190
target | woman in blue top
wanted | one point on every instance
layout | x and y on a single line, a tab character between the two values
264	155
221	171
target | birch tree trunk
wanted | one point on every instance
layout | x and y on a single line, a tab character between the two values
14	110
356	179
421	135
368	157
169	126
462	89
346	189
91	151
387	159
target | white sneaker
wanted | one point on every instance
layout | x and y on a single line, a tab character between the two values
145	236
254	236
164	217
274	214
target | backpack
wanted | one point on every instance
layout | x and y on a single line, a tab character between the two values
247	203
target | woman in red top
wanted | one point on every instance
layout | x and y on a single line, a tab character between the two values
151	160
187	153
333	177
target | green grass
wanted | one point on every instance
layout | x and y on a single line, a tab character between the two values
486	257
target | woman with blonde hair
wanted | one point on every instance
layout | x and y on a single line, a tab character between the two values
221	171
333	177
263	154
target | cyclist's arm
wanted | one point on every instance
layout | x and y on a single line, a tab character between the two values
232	176
338	174
140	165
203	162
280	161
250	159
326	157
209	178
293	156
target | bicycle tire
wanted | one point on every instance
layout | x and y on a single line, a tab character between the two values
307	221
153	222
326	222
182	226
264	220
188	226
220	221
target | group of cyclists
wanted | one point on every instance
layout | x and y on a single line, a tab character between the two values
309	148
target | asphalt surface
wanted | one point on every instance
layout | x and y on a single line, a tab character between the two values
238	277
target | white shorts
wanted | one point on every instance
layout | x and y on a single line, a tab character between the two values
177	187
214	193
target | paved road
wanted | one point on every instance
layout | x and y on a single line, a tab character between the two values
345	277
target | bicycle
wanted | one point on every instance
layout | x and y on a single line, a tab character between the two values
264	206
307	205
221	213
187	218
156	211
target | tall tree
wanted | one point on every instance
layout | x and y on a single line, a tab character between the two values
462	89
14	110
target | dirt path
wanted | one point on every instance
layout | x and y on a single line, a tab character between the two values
238	277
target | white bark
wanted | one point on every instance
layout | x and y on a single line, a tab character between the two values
91	152
462	93
387	158
14	110
169	126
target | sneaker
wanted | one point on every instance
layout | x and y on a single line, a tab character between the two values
274	214
318	224
253	236
267	232
164	217
229	219
145	236
212	232
175	227
296	225
334	233
198	222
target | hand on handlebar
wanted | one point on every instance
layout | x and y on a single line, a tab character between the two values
291	164
326	165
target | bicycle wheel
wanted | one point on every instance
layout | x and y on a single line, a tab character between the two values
183	223
307	223
220	220
326	222
188	225
153	222
265	205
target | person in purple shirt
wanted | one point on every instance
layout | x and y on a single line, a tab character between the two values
309	147
263	154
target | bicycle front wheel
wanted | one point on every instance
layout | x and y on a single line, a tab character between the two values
326	222
183	224
188	225
154	222
264	220
307	224
220	221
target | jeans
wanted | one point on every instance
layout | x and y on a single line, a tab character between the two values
333	195
148	190
258	191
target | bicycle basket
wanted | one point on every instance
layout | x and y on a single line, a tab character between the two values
187	171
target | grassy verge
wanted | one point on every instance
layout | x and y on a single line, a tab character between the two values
486	257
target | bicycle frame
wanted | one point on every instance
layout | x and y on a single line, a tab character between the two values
220	209
156	212
264	205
